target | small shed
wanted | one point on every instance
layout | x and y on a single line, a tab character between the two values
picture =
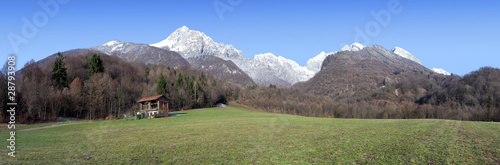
155	106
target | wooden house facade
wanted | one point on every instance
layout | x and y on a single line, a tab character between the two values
156	106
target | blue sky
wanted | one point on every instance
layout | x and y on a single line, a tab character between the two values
458	36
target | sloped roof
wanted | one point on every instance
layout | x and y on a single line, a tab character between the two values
150	98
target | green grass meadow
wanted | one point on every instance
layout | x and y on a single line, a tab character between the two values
239	135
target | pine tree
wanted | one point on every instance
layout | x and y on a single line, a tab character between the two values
191	87
59	75
202	76
146	71
86	63
214	83
95	65
236	93
179	82
161	85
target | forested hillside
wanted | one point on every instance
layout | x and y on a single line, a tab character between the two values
99	86
376	83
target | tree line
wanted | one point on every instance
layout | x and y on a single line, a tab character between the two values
474	97
97	86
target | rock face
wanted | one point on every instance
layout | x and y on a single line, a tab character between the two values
222	69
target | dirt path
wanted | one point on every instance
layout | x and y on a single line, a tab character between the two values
50	126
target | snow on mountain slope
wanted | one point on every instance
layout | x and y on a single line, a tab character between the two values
142	52
265	69
354	47
314	64
191	43
285	69
112	46
397	50
403	53
441	71
260	72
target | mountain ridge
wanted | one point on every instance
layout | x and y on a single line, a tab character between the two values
184	44
142	52
362	73
264	69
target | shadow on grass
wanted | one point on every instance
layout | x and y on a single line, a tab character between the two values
177	114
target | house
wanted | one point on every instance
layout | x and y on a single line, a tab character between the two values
151	107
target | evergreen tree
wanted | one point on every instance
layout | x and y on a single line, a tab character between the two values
214	83
179	82
236	93
202	76
95	65
201	80
59	75
86	63
161	85
146	71
191	87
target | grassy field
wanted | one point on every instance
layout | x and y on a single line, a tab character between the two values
239	135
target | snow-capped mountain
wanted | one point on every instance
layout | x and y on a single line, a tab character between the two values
354	47
116	47
285	69
191	43
142	52
397	50
403	53
441	71
260	72
264	69
314	64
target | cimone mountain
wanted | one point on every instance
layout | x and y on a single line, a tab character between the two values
264	69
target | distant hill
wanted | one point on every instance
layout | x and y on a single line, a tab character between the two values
73	52
369	72
478	92
143	53
131	52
